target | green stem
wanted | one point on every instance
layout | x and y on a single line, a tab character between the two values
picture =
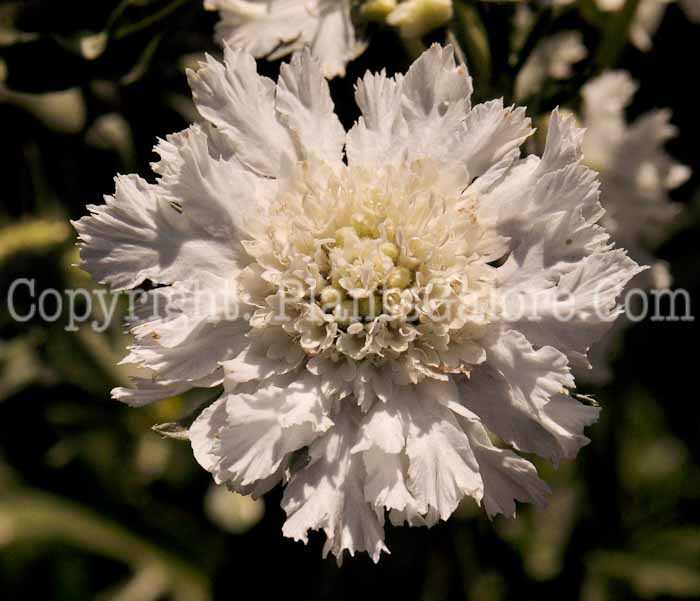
30	516
616	34
148	21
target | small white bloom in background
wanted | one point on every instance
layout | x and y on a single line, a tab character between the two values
552	58
649	15
636	172
646	22
647	18
637	175
275	28
363	290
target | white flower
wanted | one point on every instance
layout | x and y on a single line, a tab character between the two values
646	21
553	58
647	17
274	28
416	18
636	175
635	170
382	344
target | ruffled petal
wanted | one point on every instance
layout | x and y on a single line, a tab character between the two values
442	467
407	118
491	133
248	436
305	107
520	394
184	331
137	234
278	27
328	494
507	476
214	191
145	391
382	440
571	310
267	353
241	104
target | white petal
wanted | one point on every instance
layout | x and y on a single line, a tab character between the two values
491	133
277	27
553	57
138	235
204	432
241	104
574	310
507	477
442	467
435	86
381	442
335	42
646	21
261	26
413	116
187	330
520	395
146	391
549	204
268	352
305	107
328	494
563	146
215	192
381	123
249	436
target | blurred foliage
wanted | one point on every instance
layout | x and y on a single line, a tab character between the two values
95	505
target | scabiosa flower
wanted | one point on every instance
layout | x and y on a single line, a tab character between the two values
376	345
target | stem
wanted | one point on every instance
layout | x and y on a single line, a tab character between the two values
30	516
616	34
148	21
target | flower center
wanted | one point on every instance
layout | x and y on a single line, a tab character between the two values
370	266
365	272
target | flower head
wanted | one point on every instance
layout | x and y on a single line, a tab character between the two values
364	290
